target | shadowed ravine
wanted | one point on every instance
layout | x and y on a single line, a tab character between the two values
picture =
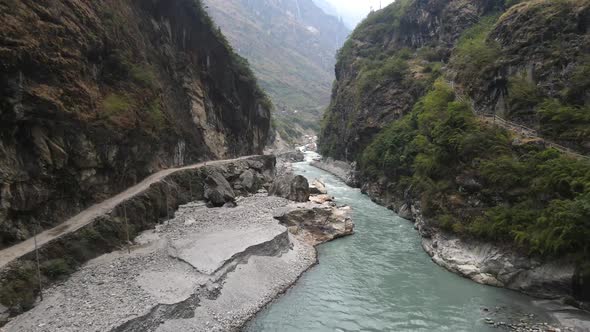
380	279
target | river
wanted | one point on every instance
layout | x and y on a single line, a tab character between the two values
380	279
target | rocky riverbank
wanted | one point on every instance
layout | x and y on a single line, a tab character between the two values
482	262
342	170
206	269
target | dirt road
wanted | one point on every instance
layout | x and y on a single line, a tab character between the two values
87	216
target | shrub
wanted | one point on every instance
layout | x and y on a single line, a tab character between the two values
56	268
144	75
392	69
475	55
523	95
115	104
156	116
579	83
565	122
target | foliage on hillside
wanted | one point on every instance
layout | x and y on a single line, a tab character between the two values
529	195
140	102
541	94
371	31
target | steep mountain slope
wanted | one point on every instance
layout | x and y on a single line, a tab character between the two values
291	46
419	87
97	95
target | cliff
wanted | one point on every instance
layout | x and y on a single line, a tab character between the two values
452	108
97	95
291	46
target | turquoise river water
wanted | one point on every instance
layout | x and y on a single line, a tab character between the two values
380	279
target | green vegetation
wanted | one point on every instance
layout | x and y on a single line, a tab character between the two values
18	289
374	28
475	55
530	196
579	83
523	96
56	268
116	104
156	116
376	73
144	75
565	122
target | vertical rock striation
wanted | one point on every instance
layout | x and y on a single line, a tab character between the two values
96	95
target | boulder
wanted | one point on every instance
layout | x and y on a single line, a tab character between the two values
292	156
317	224
217	190
249	181
317	187
321	199
405	211
292	187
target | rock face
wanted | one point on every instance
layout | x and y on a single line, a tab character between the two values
292	187
217	190
490	264
354	116
96	95
343	170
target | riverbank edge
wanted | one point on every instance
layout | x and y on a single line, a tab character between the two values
485	263
108	232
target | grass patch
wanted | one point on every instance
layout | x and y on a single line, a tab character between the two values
116	104
144	75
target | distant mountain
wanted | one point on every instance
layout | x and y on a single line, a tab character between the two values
291	45
327	7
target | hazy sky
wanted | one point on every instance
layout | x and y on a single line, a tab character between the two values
356	10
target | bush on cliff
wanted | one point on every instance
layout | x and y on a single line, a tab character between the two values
533	196
475	55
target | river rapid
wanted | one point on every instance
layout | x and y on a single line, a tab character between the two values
380	279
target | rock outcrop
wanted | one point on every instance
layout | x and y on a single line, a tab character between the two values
317	224
97	95
292	187
343	170
359	110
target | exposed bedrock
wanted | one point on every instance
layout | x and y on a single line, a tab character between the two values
487	263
